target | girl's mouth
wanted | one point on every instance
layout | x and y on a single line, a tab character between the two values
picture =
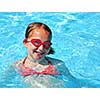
38	53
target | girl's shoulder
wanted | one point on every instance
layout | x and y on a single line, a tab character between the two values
55	61
60	66
18	62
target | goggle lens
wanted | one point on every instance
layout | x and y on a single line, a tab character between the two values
38	43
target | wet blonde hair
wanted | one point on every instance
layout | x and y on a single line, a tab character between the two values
35	25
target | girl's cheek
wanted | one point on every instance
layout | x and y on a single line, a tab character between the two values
31	47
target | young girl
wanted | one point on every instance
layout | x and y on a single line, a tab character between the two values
38	70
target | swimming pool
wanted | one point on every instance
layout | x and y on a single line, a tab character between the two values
76	40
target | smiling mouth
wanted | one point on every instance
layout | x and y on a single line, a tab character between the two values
39	53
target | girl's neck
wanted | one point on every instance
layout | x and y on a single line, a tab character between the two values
33	61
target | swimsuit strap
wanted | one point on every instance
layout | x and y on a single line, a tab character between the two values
49	62
24	60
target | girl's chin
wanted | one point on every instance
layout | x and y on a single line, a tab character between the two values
38	56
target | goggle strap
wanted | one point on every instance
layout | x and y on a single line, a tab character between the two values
25	40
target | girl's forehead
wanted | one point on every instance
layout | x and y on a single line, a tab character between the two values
39	33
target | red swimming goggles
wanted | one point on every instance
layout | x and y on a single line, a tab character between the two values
38	43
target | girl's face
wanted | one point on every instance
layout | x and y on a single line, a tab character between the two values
38	44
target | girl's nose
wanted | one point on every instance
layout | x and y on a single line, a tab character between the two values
41	47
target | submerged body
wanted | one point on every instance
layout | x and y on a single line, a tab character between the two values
38	79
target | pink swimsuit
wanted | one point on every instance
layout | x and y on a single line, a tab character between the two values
50	70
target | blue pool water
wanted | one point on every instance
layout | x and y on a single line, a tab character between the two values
76	40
